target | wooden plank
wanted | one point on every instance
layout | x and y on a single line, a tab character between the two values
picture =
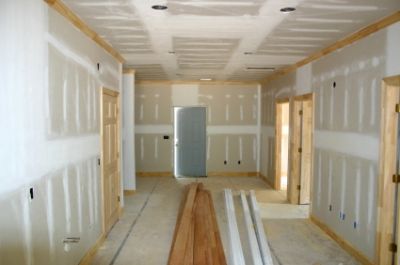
387	167
215	230
66	12
278	146
343	243
179	245
364	32
129	192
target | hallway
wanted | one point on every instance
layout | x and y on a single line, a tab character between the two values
143	234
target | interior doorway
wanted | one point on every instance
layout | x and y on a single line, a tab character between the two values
110	157
190	142
301	149
282	144
388	234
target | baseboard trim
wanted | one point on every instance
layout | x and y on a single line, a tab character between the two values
87	259
154	174
342	242
129	192
232	174
266	180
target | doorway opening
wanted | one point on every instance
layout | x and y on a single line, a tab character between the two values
301	149
388	234
190	142
282	145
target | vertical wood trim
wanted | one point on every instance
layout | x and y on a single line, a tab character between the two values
387	167
278	146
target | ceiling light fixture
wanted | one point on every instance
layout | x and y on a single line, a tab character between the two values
159	7
261	68
248	53
205	79
287	10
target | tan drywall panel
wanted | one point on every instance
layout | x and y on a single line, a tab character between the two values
230	104
153	104
153	153
66	203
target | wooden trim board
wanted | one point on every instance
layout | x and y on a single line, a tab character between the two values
266	180
196	82
87	259
129	192
154	174
128	71
66	12
390	93
364	32
342	242
233	174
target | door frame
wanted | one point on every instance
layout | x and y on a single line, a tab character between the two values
295	138
173	136
113	93
390	92
278	146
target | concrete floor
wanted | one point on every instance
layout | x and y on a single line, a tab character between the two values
144	233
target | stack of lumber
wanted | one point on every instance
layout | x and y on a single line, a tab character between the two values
197	240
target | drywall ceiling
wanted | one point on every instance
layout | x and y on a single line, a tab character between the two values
221	39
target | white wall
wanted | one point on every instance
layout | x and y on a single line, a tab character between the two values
50	135
347	131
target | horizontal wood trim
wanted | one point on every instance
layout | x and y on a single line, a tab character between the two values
66	12
154	174
110	92
232	174
129	192
282	100
266	180
87	259
308	96
176	82
342	242
129	71
364	32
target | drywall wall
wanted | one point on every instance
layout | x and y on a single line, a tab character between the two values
232	124
347	85
128	128
50	142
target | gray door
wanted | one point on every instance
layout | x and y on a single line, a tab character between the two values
190	141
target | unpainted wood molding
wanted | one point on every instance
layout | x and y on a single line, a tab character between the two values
66	12
342	242
129	71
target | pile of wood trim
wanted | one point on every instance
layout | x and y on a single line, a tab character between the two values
197	240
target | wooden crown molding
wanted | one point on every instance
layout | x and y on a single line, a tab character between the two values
364	32
66	12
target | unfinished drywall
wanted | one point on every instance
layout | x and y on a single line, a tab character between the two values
232	124
128	127
346	84
50	142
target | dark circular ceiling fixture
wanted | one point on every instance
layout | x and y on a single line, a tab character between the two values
159	7
287	9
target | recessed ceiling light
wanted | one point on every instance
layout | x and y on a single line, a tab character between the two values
205	79
171	52
287	9
159	7
248	53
